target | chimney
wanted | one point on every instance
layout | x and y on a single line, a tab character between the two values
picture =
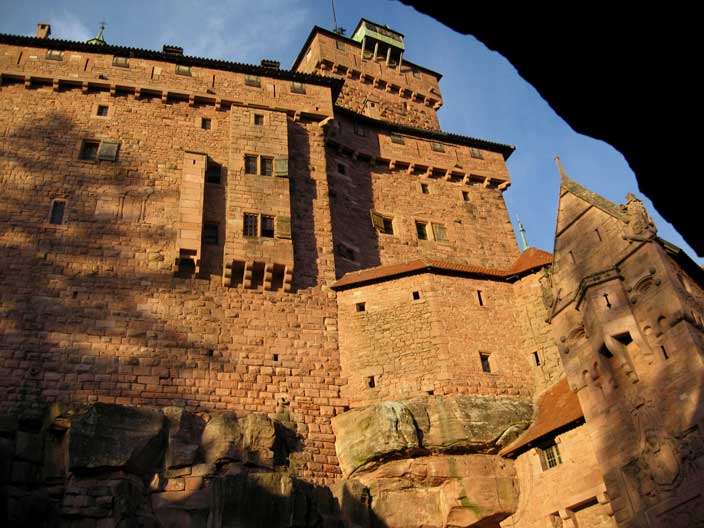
268	63
175	51
43	30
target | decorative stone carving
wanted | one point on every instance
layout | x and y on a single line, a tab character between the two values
639	225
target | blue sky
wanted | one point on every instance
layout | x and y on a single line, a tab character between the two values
483	95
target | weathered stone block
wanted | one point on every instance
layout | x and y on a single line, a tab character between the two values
185	430
113	436
29	446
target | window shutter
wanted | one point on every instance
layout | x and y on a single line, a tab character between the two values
281	167
439	232
283	227
108	150
377	221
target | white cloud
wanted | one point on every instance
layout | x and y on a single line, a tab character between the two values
68	26
240	30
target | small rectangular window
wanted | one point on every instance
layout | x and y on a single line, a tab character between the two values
422	230
465	196
424	188
121	62
251	225
484	358
206	123
298	87
102	111
212	172
388	226
416	295
396	138
258	119
58	209
437	146
250	164
439	232
56	55
339	45
267	166
89	150
267	226
210	234
361	307
253	80
182	69
475	153
549	456
345	251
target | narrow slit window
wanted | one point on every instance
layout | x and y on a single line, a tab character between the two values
572	259
536	359
598	235
606	299
664	352
58	210
484	358
480	299
371	382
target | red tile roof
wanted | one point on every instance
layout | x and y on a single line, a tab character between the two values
529	260
557	407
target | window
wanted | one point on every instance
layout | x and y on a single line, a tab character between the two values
437	146
416	295
345	251
424	188
121	62
422	230
416	74
253	80
484	358
383	224
396	138
102	111
56	55
480	299
360	130
182	69
549	456
298	87
206	123
465	196
89	150
339	45
475	153
210	234
258	119
58	209
361	307
267	226
212	172
439	233
250	164
536	358
267	166
251	225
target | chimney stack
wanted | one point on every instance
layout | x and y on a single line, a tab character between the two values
43	30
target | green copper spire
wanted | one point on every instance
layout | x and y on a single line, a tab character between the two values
522	231
98	39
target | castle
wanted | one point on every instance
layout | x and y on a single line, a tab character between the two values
238	295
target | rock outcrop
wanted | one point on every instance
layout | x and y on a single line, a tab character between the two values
368	436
